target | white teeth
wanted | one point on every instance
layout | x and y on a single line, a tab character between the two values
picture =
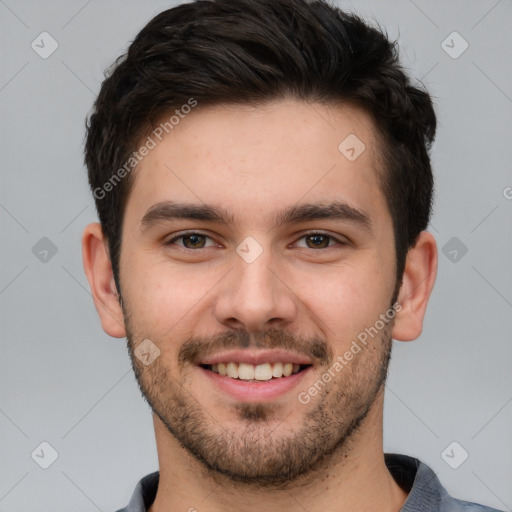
277	370
245	371
264	371
232	370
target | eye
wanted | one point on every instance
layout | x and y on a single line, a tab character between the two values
319	240
195	240
191	240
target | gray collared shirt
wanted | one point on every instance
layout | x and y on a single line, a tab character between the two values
426	494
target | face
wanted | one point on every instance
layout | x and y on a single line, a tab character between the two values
253	245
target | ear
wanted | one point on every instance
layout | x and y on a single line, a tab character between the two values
98	269
417	283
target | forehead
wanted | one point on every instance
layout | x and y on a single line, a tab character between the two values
254	160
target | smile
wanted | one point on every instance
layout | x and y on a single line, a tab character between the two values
251	372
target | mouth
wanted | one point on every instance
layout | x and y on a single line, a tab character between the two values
249	375
255	376
263	372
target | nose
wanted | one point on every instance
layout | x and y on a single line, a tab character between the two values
255	295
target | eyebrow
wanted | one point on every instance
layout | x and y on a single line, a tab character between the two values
337	210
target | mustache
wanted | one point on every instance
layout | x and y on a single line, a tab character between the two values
196	348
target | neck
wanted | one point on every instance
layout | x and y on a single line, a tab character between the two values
353	478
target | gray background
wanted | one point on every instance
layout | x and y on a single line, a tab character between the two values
64	381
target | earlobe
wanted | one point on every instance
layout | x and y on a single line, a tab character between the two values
417	284
98	268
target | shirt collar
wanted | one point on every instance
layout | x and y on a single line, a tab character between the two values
413	476
417	479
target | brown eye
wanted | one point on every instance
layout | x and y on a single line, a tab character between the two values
190	241
318	241
195	241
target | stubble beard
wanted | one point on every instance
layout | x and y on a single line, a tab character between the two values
261	451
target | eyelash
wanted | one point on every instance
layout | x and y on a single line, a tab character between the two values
311	233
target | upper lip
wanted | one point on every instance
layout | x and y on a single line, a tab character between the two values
255	357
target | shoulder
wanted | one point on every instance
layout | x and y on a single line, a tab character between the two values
426	493
144	494
455	505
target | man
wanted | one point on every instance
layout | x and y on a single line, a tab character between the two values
262	177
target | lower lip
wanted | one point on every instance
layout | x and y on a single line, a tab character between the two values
248	391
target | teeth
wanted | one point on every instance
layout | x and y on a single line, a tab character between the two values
265	371
287	369
277	370
222	369
245	371
232	370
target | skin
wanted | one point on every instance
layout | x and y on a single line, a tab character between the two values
217	453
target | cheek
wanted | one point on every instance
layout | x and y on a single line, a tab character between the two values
164	298
346	300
